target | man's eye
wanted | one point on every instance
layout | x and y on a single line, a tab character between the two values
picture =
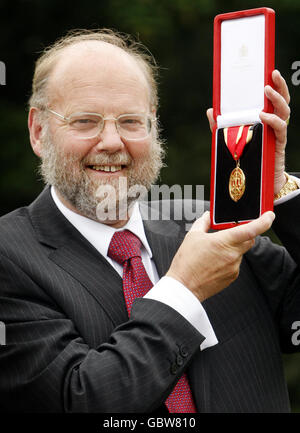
133	121
84	122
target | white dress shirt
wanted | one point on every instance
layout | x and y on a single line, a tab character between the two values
166	290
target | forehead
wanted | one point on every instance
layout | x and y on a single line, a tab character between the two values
95	74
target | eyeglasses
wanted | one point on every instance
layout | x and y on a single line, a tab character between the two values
89	125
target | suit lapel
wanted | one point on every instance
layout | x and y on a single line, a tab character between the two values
163	250
73	253
164	239
91	270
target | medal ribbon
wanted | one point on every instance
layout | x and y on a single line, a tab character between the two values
236	138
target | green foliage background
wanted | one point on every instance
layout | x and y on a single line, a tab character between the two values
179	33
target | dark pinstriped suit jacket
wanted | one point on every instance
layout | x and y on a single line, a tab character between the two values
70	346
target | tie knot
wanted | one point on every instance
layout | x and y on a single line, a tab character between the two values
124	245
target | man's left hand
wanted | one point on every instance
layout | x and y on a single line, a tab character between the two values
280	99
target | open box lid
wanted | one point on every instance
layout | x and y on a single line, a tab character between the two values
243	65
244	53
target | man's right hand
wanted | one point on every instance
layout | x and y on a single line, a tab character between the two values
206	263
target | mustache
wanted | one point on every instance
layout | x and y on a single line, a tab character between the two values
120	158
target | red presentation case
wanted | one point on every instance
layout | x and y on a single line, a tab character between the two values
244	52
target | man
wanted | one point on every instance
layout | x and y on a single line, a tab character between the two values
207	336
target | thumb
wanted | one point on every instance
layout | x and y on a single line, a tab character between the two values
246	232
202	224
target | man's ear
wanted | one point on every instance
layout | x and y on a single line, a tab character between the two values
35	131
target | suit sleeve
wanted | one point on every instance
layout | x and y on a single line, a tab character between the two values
286	226
277	270
46	366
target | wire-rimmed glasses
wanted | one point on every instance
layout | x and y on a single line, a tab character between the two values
89	125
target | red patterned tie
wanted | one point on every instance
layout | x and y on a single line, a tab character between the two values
125	248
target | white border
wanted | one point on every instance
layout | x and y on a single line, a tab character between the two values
242	70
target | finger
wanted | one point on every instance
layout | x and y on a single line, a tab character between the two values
280	105
249	231
210	116
280	85
279	126
202	224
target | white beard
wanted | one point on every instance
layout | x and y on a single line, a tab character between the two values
70	178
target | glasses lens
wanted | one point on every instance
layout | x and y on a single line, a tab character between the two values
86	125
134	126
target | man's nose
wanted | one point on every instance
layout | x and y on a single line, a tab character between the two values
109	138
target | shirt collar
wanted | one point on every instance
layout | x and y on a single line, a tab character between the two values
99	234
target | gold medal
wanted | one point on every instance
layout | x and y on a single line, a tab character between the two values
237	183
236	138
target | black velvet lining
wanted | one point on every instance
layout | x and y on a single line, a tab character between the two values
248	207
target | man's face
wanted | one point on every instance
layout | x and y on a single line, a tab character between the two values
96	78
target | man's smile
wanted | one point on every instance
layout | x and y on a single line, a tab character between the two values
111	168
107	169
